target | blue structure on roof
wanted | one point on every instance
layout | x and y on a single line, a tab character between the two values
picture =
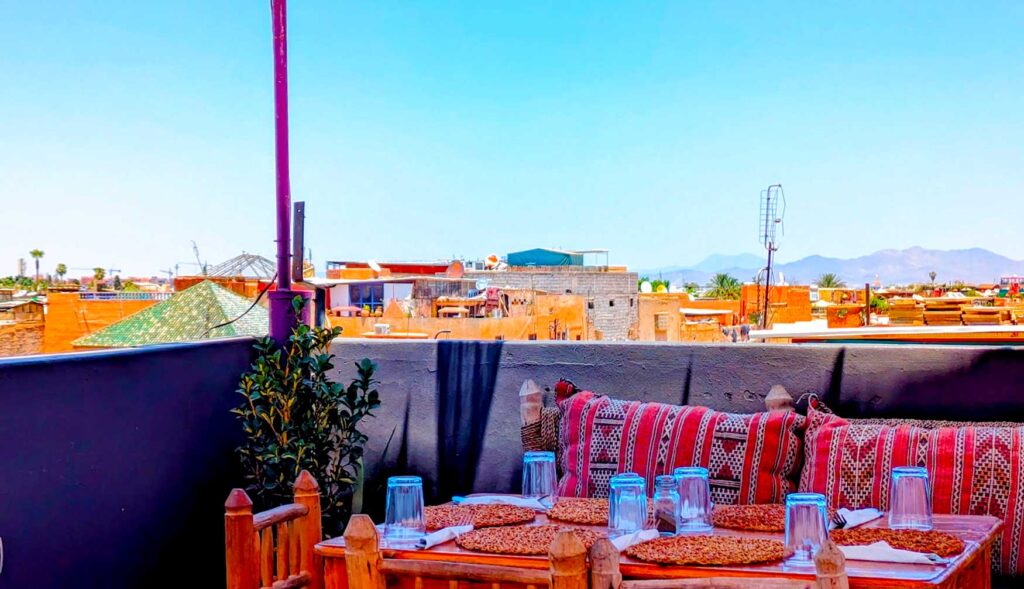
545	257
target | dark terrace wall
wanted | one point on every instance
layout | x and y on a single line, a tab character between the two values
114	466
939	382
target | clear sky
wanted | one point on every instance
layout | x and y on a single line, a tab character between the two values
431	129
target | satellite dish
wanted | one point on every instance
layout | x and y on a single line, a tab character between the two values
373	265
645	287
481	284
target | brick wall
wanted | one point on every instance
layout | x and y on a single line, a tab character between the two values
611	296
20	339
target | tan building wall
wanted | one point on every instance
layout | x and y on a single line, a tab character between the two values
660	319
787	304
20	339
69	318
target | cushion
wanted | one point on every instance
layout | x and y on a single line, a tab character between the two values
751	458
974	469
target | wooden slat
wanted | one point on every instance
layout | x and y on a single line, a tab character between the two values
271	517
240	542
465	572
295	537
267	557
282	551
718	583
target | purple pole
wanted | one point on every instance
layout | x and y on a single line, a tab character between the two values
282	316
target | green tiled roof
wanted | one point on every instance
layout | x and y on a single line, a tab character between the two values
186	316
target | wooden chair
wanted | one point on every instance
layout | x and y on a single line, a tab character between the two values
830	573
274	548
367	568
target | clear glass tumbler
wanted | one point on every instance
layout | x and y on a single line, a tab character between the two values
627	503
910	499
403	517
694	500
806	529
539	478
666	504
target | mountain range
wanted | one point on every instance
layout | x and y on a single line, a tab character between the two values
890	266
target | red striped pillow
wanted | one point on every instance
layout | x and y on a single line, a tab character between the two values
751	458
974	469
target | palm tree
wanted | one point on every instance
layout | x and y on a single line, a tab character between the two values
61	271
932	275
724	286
97	274
36	255
830	280
691	288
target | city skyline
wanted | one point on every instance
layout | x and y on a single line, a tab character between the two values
456	129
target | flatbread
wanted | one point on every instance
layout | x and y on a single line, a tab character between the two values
526	540
481	516
589	512
707	550
928	542
769	517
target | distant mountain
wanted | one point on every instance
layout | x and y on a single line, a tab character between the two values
889	266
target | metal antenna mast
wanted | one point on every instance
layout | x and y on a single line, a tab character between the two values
771	229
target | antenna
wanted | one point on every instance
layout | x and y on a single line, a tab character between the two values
772	210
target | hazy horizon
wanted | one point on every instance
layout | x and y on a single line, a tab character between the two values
423	132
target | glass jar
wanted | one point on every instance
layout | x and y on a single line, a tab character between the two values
666	505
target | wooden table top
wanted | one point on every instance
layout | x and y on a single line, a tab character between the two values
977	531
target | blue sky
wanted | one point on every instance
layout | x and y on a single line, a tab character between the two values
425	130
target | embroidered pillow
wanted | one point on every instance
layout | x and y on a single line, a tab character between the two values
751	458
974	469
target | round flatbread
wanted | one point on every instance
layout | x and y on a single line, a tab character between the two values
928	542
770	517
527	540
707	550
590	512
481	516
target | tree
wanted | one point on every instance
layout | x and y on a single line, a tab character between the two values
691	288
37	255
61	271
932	275
98	274
724	286
830	280
117	282
130	286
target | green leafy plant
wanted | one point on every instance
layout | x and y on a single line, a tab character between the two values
724	286
830	280
879	304
295	417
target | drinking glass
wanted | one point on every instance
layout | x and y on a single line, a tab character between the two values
666	504
403	518
910	499
805	527
694	500
627	503
539	478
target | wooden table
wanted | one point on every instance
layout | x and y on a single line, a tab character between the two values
971	569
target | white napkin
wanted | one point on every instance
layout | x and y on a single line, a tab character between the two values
532	503
442	536
626	540
883	552
858	517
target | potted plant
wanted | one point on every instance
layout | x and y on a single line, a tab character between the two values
295	417
845	315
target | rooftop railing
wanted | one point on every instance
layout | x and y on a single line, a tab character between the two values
124	296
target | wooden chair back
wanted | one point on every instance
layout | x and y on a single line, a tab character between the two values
367	568
274	548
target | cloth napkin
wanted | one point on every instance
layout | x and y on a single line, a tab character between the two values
626	540
532	503
883	552
442	536
858	517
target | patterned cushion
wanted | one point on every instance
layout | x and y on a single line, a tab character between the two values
974	469
752	458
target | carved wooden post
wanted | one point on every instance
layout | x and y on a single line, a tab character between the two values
240	544
362	554
307	492
778	399
830	565
604	565
568	562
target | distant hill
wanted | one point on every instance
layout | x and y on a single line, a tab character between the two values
890	266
